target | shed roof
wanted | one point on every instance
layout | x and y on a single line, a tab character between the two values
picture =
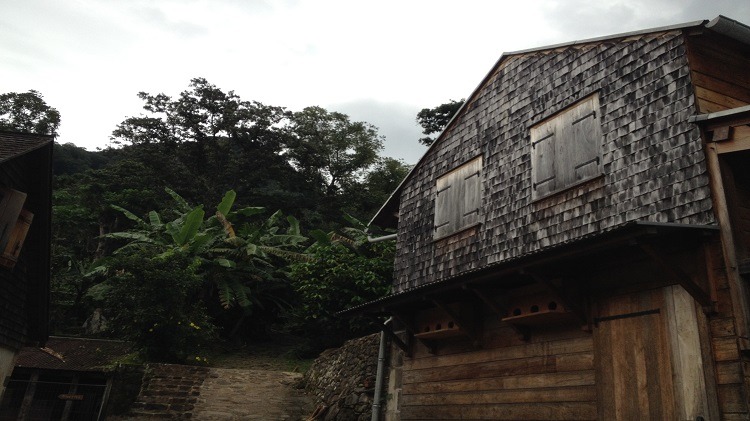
73	354
385	217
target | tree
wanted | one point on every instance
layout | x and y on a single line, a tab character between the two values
240	263
72	159
332	155
153	302
345	270
218	136
434	120
378	184
27	112
331	150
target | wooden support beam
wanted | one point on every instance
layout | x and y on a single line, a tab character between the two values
396	340
399	317
713	290
522	331
487	300
677	274
409	328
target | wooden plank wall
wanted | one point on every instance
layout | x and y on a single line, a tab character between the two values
550	377
728	362
719	72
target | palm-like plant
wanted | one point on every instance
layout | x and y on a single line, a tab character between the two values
238	259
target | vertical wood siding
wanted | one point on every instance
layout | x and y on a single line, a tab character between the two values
652	159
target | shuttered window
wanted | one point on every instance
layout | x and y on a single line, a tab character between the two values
566	149
458	199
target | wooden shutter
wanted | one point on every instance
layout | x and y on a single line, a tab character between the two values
445	207
566	149
471	195
458	199
16	239
543	142
586	138
11	204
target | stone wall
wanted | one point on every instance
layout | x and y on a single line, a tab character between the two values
343	379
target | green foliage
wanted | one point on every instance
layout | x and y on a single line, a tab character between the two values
27	112
152	301
71	159
434	120
345	271
109	205
331	150
378	185
240	262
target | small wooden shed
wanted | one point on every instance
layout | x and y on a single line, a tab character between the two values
574	245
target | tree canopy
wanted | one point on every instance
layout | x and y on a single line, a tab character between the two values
434	120
236	269
28	112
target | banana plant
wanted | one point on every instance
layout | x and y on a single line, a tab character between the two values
236	255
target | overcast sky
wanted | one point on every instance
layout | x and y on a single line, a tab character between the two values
377	61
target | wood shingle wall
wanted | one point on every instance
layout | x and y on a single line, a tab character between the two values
652	158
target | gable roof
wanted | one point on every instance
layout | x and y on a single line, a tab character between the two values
386	215
14	144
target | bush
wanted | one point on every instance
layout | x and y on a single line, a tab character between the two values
156	304
339	277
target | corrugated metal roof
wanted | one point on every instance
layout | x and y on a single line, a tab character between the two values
631	230
73	354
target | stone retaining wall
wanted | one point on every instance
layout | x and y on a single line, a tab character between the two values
343	379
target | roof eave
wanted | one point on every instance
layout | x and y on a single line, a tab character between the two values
623	234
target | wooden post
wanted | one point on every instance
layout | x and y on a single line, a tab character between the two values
738	292
737	288
28	397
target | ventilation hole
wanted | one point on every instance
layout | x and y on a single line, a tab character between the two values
438	326
516	311
552	305
535	308
450	324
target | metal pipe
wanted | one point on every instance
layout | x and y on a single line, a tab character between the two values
383	238
379	375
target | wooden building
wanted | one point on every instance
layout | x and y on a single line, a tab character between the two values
25	223
574	245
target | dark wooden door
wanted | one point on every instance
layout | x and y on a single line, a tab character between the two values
632	359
